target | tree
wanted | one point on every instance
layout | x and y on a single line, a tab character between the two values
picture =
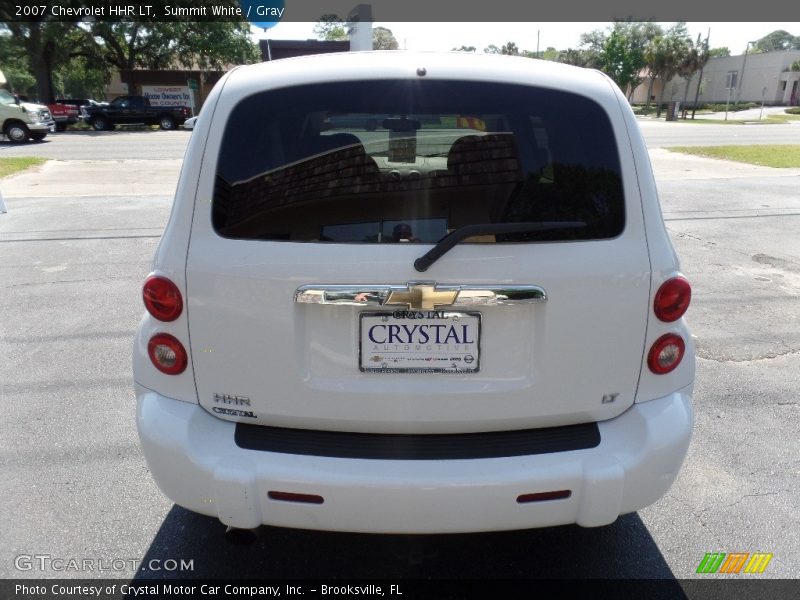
215	45
576	57
591	49
160	45
81	78
694	60
45	45
777	40
664	56
550	54
720	52
622	55
131	45
465	49
56	52
382	39
15	67
509	49
330	28
619	51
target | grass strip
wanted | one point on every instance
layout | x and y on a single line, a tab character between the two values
11	165
781	156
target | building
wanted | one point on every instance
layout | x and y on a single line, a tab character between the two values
756	77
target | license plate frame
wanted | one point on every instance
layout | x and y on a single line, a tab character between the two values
458	353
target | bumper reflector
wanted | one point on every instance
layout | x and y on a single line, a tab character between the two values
292	497
543	496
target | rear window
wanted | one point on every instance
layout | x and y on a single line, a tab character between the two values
408	161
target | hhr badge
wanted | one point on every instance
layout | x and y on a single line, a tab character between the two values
229	399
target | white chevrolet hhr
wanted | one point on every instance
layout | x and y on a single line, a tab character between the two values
415	293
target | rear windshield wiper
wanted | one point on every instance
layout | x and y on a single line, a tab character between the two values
462	233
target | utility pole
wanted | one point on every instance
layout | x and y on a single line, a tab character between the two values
741	77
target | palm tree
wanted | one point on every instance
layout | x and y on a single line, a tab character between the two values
695	60
664	56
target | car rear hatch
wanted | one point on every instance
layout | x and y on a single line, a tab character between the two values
305	306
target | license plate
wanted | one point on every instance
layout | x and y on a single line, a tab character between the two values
406	341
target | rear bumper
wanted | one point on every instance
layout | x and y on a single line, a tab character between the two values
196	463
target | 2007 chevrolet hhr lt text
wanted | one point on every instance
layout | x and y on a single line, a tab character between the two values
413	293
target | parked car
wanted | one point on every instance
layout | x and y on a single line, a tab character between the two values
64	114
127	110
80	102
415	330
189	123
23	121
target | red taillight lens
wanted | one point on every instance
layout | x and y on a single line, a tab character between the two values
666	354
162	298
167	354
672	299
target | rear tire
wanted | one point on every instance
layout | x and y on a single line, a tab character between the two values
166	122
100	124
17	132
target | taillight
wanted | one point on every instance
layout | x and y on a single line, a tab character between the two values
666	353
672	299
167	354
162	298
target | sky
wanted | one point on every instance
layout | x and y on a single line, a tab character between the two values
445	36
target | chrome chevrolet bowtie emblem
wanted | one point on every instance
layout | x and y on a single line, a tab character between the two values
422	296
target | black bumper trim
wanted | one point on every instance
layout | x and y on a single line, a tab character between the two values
494	444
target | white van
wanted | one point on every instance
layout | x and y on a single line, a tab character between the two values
22	121
467	318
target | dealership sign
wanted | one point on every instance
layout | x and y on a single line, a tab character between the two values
172	95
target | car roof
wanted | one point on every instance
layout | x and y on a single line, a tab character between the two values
400	64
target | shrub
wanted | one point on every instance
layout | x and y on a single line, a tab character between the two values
794	110
720	107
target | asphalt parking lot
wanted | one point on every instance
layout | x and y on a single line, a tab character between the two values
76	244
